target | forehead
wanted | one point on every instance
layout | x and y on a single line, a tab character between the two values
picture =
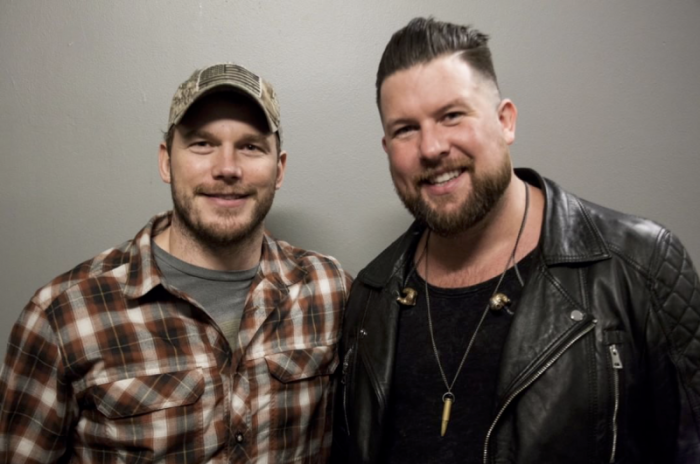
440	80
225	105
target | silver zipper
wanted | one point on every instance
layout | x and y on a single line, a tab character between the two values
346	364
617	366
532	379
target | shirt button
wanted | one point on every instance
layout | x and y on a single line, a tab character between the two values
239	437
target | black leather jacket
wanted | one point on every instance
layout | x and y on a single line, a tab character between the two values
601	361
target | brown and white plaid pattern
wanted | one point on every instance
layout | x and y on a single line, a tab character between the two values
106	364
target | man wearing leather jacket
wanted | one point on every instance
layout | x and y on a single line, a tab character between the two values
513	322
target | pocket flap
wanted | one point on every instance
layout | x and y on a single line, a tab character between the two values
292	365
139	395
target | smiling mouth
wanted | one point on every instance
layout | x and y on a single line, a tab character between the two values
227	196
442	177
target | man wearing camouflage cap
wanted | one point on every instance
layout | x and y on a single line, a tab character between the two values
203	339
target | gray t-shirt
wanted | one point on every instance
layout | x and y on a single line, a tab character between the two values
222	294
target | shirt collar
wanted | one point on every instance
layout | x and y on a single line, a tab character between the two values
279	262
143	273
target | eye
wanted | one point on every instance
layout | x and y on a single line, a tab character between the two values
452	117
253	149
201	146
403	131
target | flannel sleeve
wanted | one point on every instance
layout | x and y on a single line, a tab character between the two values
36	405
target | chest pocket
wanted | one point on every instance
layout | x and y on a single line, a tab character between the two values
290	366
140	395
147	416
301	398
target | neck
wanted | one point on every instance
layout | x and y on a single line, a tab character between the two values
481	252
241	255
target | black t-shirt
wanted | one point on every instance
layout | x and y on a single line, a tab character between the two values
413	432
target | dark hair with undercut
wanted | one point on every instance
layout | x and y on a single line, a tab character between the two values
424	39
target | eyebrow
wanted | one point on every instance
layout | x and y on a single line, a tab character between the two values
398	122
401	121
197	133
261	139
450	104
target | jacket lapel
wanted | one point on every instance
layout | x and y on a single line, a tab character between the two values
551	309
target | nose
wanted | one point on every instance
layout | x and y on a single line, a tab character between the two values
433	144
226	165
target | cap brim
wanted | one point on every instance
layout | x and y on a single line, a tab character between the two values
227	87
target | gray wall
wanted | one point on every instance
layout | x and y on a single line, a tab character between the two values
607	91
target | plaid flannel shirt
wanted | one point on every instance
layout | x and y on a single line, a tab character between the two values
108	364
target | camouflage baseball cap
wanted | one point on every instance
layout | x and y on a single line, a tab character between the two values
219	76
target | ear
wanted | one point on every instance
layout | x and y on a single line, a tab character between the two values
507	116
384	145
281	168
164	163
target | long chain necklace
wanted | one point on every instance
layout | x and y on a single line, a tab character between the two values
448	397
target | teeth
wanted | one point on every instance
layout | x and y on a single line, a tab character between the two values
444	177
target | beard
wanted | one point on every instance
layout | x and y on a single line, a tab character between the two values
486	191
228	228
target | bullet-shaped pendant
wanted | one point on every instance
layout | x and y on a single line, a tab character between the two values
447	399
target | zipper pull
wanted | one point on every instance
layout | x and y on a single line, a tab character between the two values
615	356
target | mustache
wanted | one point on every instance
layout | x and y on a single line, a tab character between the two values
429	173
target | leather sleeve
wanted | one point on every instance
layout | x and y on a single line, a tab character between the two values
676	289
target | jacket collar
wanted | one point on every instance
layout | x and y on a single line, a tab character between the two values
568	235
